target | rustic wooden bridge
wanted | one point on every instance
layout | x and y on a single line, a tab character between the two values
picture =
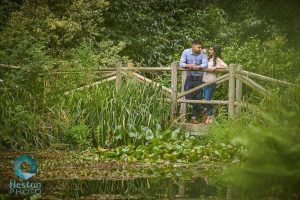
235	75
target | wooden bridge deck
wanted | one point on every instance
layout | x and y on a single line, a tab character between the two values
194	129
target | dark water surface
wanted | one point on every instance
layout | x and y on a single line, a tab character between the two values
64	176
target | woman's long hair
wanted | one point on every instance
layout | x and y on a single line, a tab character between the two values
217	53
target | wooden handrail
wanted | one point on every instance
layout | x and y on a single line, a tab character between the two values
150	69
217	102
146	80
202	86
264	78
91	85
252	84
9	66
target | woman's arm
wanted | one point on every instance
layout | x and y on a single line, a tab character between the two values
220	65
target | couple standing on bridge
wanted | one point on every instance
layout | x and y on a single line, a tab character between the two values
196	58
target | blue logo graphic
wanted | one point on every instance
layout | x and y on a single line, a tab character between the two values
18	170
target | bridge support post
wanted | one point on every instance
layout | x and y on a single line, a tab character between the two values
183	105
174	91
238	91
231	91
119	76
181	191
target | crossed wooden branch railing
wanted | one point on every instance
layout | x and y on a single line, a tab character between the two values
234	74
8	67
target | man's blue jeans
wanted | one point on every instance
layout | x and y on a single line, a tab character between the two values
208	94
191	82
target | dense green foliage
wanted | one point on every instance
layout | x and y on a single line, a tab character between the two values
165	147
271	166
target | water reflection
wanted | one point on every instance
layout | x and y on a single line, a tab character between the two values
138	188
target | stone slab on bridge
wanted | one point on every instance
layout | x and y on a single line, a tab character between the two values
194	129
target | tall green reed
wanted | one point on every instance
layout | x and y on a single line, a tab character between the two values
117	118
96	116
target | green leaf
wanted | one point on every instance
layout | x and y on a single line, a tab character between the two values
118	133
109	154
174	134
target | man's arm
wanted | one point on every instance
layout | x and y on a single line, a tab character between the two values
183	60
204	63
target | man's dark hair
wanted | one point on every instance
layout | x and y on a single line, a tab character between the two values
197	42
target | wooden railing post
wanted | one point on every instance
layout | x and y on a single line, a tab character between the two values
183	105
174	91
119	76
181	191
231	91
239	91
130	65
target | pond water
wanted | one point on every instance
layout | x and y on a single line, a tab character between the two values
139	188
65	178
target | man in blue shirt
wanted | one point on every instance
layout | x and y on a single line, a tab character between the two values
194	58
